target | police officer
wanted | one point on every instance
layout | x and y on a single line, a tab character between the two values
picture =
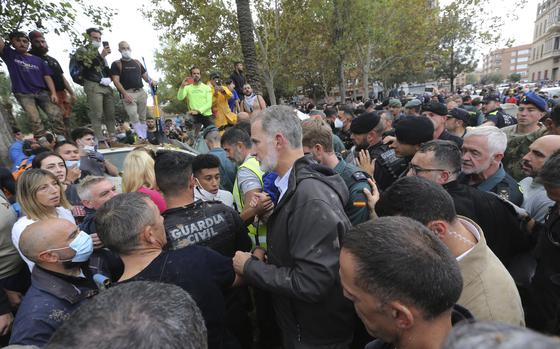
207	223
317	141
494	115
367	131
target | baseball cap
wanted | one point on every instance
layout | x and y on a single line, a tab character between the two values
490	98
414	130
393	102
436	108
413	103
459	114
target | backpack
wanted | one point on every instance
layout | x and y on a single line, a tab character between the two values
76	70
119	65
22	167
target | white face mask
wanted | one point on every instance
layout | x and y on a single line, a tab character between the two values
125	54
338	123
96	44
72	163
206	195
89	148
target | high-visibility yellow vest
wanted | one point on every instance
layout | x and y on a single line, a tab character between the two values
257	232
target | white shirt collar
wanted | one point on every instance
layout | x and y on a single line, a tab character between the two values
470	227
282	183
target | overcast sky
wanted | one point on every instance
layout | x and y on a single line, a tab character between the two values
131	26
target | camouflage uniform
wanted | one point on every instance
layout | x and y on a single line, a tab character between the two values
517	147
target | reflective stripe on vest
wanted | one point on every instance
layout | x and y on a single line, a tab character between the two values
253	165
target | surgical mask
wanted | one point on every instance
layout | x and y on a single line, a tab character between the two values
125	54
121	135
96	44
205	194
89	148
82	245
72	163
338	123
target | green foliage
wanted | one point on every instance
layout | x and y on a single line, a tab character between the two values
514	77
59	16
492	78
471	79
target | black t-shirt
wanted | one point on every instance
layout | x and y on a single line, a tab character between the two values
154	137
207	223
130	73
58	80
446	136
201	272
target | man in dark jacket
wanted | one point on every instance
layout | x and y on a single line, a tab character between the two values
59	280
440	162
409	304
304	236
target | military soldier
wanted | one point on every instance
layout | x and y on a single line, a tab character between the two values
532	108
317	140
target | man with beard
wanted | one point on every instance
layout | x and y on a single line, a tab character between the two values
317	140
32	84
60	280
301	267
63	88
238	78
483	151
199	99
535	200
367	130
251	102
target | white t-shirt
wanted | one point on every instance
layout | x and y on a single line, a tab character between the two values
23	222
224	196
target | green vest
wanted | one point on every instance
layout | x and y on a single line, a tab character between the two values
256	230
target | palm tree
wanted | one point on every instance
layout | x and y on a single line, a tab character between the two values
247	39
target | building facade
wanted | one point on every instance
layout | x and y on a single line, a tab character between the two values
507	61
545	56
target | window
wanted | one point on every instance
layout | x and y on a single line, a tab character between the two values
522	52
522	59
513	60
523	73
521	66
512	67
556	42
538	75
533	76
546	74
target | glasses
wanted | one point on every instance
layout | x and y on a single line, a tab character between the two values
416	169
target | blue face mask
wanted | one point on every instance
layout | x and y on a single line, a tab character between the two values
72	163
82	244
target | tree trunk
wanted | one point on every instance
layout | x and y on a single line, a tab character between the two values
341	81
365	72
247	39
6	136
269	84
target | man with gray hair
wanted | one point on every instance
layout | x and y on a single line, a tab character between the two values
170	320
483	151
130	225
301	270
94	191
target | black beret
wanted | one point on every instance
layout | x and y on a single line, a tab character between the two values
414	130
460	114
364	123
436	108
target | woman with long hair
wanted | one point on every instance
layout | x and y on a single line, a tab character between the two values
55	164
139	175
40	196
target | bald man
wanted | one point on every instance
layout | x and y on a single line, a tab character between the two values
60	279
535	200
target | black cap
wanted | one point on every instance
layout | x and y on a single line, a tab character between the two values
436	108
364	123
414	130
490	98
460	114
214	75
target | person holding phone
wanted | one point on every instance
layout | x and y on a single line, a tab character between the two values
97	81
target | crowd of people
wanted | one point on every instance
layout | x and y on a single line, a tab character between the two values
429	222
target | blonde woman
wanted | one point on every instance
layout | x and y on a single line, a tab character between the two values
40	195
138	175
